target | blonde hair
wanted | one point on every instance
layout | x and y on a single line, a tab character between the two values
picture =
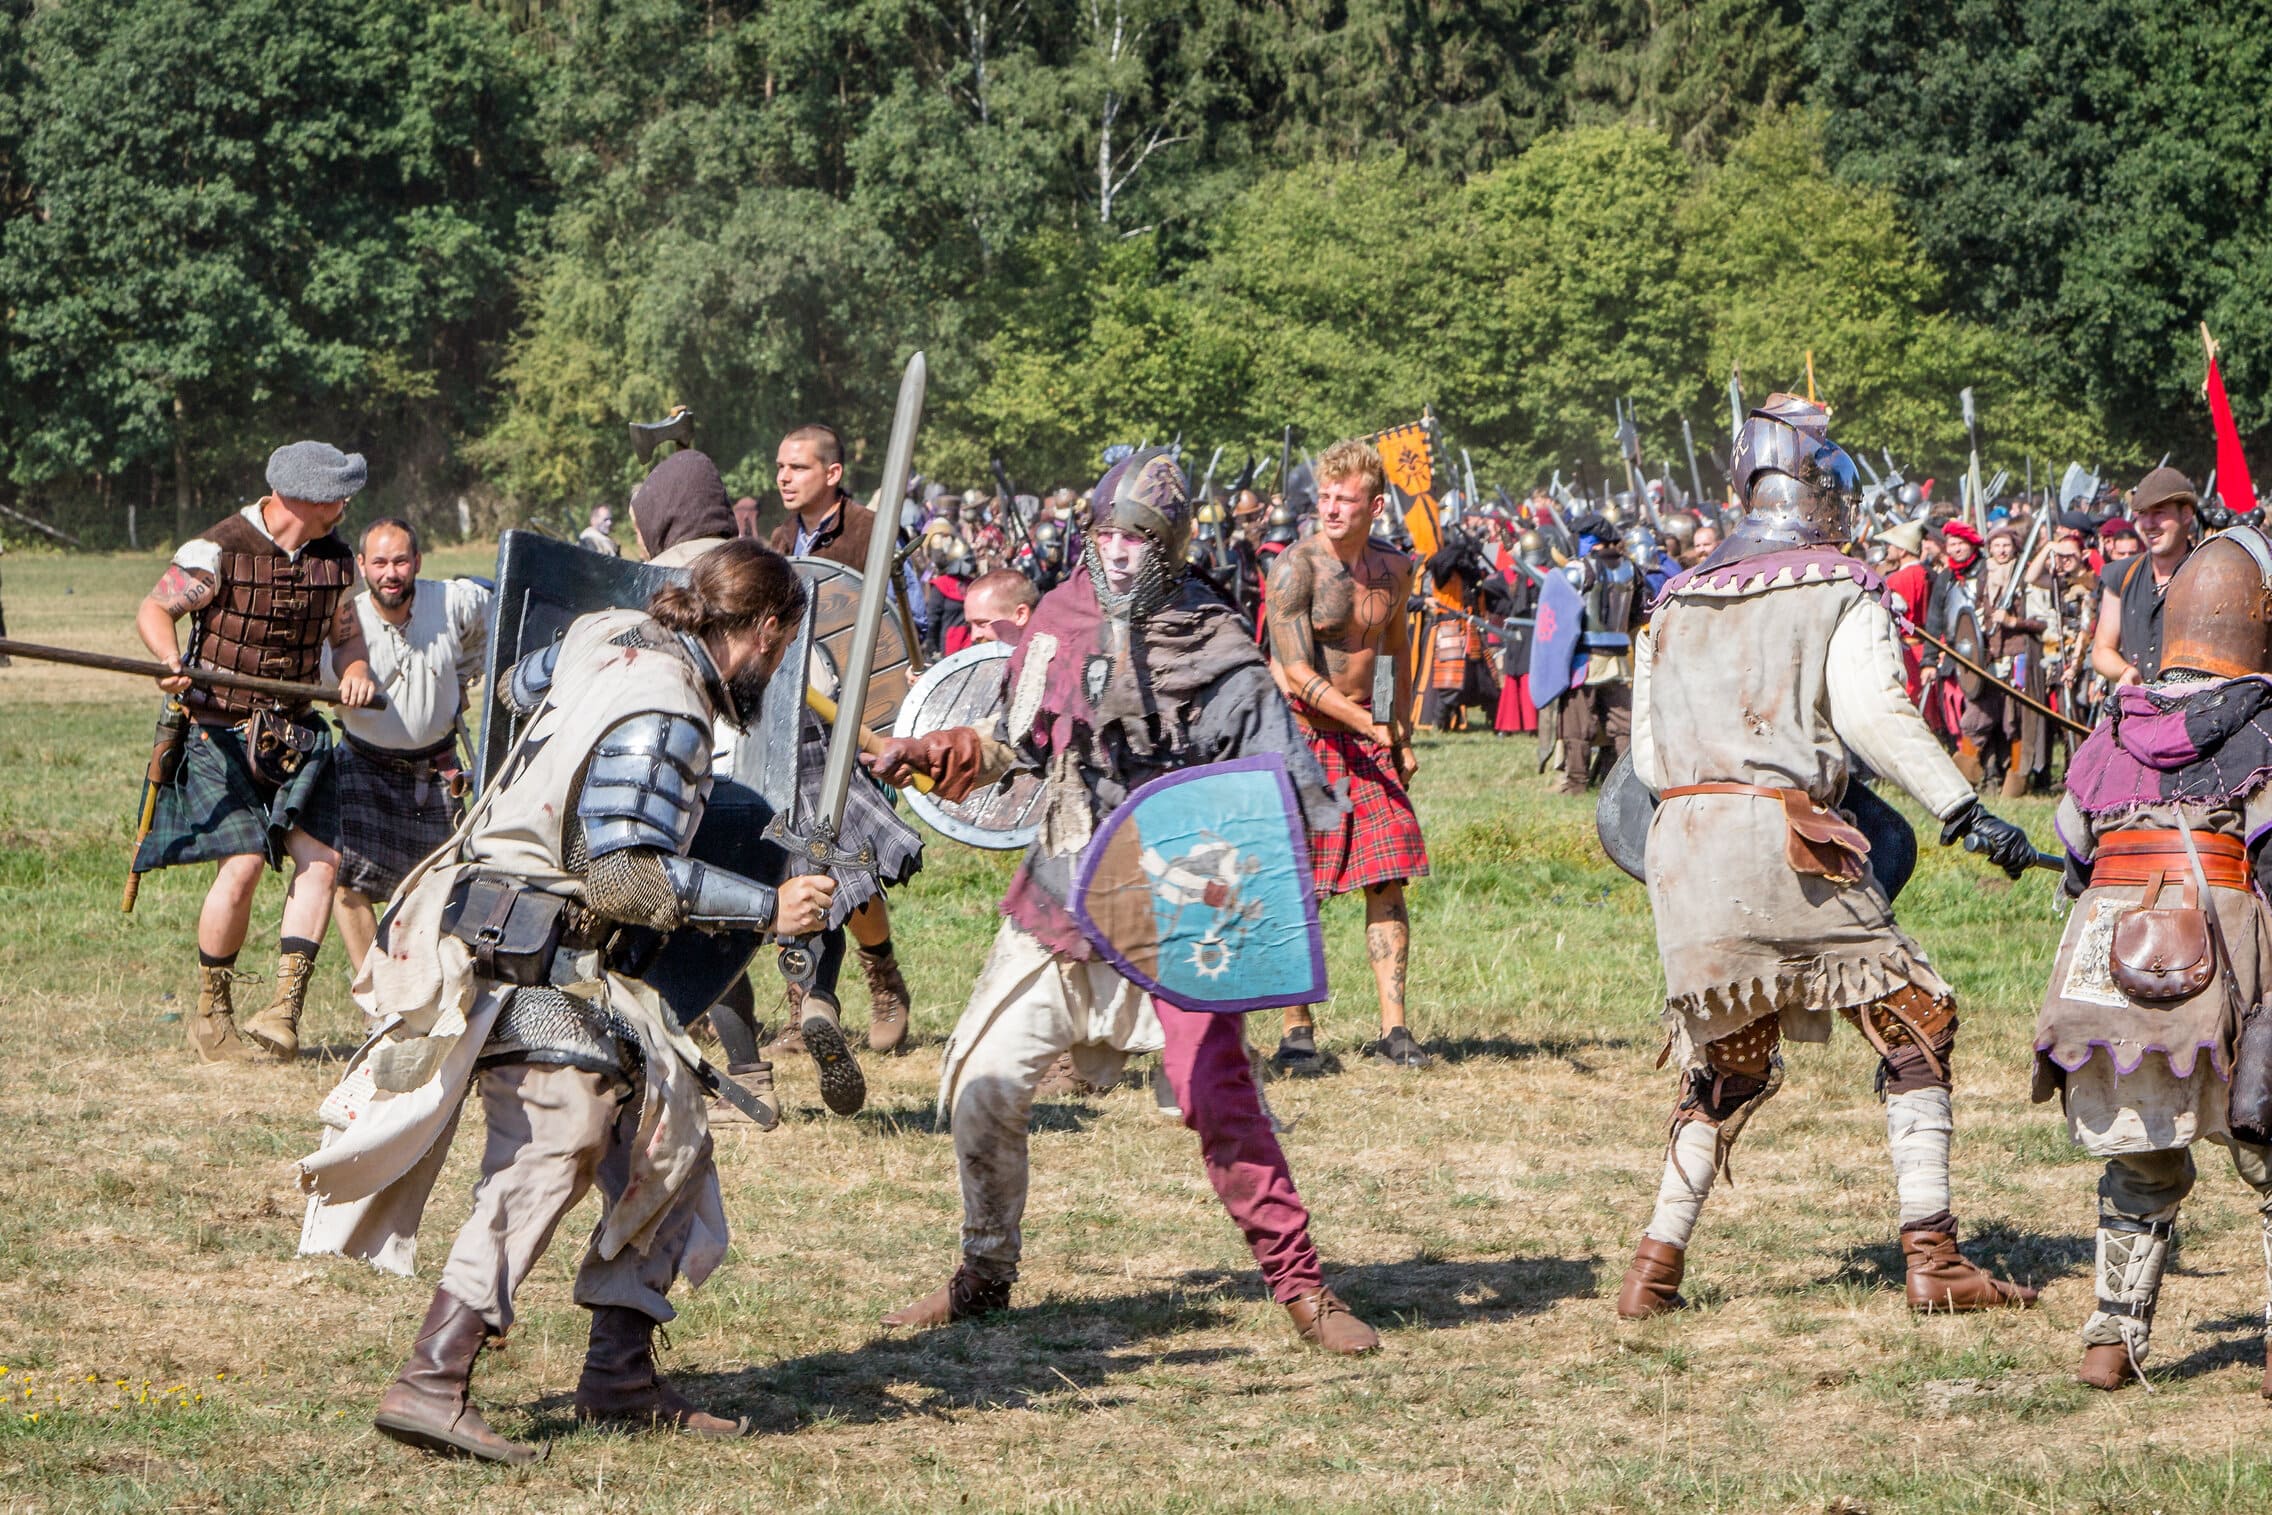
1353	460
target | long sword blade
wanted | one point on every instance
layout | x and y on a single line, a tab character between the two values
875	591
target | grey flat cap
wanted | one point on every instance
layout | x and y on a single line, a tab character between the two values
316	471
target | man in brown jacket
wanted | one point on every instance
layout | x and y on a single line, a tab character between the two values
826	522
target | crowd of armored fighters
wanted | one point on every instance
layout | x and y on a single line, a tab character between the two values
510	830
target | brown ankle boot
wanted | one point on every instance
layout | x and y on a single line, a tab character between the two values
276	1029
843	1088
426	1405
620	1386
1321	1319
791	1041
2106	1366
212	1029
966	1296
1941	1279
887	1001
755	1080
1652	1280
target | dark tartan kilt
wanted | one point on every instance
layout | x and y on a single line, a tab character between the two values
869	820
1379	841
214	808
391	815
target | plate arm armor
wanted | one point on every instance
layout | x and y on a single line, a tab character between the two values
638	809
528	681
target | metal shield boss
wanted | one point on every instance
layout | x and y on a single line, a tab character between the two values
835	591
970	688
1627	807
1198	890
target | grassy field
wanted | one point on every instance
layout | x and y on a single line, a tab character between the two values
162	1347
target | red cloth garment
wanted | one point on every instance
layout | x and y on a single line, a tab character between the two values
1206	1064
1379	841
1516	713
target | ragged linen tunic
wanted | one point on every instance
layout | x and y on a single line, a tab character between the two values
1776	670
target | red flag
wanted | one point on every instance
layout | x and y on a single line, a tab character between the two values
2233	483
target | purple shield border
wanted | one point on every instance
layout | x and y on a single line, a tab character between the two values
1275	763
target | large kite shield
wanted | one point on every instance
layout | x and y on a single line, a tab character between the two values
1627	806
966	689
1198	890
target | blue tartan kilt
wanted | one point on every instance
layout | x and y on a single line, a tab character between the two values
215	808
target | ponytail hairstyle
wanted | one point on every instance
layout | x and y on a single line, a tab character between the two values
733	586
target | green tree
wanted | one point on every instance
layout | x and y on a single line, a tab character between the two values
259	217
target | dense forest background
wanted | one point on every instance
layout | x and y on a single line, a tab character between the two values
473	237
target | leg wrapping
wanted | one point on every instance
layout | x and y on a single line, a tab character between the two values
1918	1125
1741	1072
1691	1163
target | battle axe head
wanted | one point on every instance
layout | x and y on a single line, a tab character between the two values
645	434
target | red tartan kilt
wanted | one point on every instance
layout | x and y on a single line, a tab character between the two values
1379	841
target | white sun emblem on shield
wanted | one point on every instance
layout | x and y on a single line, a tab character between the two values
1210	956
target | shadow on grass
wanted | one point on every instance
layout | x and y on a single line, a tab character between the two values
2036	1258
1567	1049
1049	1114
1004	1361
1433	1294
2241	1346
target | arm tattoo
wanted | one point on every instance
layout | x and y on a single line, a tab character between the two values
1289	612
182	590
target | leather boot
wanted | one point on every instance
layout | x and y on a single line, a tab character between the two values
1321	1319
426	1405
966	1296
2106	1366
276	1029
2264	1391
1941	1279
620	1386
1652	1280
843	1088
887	1001
755	1080
791	1041
212	1029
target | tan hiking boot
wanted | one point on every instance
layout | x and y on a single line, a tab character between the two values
1652	1281
276	1029
1322	1319
1940	1278
620	1386
427	1406
843	1087
887	1002
212	1029
791	1041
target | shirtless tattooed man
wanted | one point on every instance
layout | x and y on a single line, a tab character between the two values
1338	630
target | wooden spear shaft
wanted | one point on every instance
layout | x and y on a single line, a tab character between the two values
217	678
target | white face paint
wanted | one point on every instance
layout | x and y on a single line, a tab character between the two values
1122	554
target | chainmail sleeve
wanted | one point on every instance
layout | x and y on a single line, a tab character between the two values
631	886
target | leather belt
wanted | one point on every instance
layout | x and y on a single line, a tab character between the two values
1764	791
2134	857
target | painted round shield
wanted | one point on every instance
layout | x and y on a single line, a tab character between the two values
835	590
966	689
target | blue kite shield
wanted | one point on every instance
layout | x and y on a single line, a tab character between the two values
1554	641
1198	890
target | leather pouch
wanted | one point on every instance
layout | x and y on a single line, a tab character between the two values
1819	841
2160	955
513	932
277	746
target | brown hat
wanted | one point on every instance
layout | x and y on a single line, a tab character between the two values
2160	487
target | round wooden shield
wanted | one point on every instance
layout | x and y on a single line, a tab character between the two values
967	690
835	590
